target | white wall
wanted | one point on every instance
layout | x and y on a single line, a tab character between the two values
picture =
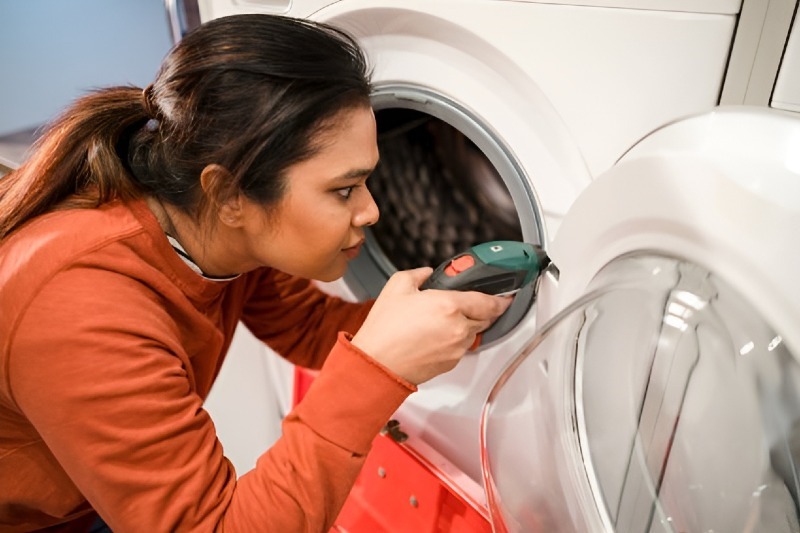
249	399
52	51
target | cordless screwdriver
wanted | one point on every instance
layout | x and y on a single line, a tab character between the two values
497	268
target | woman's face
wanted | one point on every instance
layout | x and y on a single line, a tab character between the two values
318	226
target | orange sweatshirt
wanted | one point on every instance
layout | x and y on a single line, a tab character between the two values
109	344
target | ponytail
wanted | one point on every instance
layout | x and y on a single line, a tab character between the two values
78	161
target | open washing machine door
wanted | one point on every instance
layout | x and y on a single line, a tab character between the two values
663	393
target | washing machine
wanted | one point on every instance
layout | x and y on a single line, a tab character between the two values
662	392
493	117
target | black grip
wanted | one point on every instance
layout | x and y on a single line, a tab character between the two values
481	277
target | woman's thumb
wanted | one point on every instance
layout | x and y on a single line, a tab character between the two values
410	279
419	275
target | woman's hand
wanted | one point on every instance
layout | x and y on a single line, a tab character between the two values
421	334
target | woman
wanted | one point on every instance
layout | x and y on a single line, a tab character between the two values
143	228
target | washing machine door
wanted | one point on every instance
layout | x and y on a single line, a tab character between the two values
663	393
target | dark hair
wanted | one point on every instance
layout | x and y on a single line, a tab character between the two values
252	93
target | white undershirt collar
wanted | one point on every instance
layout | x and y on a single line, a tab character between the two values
190	262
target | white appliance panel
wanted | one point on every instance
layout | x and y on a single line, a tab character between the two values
787	87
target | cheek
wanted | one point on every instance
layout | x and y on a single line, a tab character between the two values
323	228
315	222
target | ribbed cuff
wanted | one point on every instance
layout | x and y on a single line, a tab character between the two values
352	398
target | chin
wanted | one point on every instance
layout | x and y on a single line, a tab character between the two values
331	274
326	278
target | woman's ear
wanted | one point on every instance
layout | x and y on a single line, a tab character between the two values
223	197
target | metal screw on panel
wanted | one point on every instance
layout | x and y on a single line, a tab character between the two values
381	472
392	429
413	501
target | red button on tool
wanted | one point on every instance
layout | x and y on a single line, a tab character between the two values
459	265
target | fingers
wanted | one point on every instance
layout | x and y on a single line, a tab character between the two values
479	326
420	334
408	280
481	307
473	340
471	304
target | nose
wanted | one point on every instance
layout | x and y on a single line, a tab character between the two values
367	213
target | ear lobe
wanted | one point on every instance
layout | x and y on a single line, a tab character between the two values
230	211
223	197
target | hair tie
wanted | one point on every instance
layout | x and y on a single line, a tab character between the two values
152	125
150	109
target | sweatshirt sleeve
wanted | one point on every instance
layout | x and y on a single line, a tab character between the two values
338	448
298	320
110	390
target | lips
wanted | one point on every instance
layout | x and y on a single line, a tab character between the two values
353	251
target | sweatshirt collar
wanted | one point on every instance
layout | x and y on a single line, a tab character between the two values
191	280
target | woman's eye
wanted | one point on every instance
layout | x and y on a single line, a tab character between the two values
345	192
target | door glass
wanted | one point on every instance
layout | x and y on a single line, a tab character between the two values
661	402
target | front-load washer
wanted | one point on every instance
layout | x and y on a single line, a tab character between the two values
662	393
493	115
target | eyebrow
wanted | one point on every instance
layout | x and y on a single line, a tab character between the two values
356	174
